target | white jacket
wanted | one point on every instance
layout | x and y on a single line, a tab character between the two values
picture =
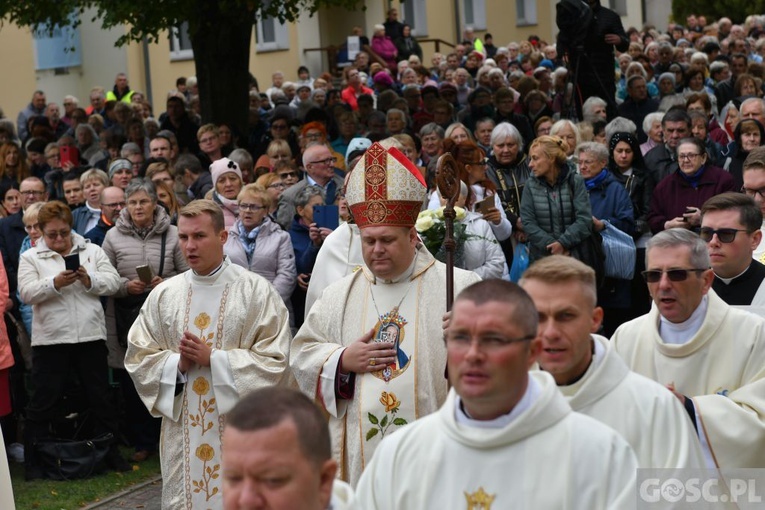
72	314
483	254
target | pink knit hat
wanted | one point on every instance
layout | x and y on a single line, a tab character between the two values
223	166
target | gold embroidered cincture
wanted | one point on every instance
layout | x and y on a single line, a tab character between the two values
479	500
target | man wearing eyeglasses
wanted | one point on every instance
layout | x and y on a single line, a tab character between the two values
594	378
498	423
730	225
754	186
709	354
319	166
112	204
12	231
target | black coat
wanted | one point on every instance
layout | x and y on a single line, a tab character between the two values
636	112
597	57
12	234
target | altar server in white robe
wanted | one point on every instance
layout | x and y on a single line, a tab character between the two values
711	355
374	337
594	378
505	438
202	340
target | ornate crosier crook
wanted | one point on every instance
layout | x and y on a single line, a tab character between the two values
448	181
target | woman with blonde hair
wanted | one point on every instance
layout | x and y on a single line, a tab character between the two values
458	132
257	243
555	207
279	150
167	198
272	183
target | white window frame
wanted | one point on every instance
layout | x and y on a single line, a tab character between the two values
526	12
176	52
415	15
618	6
281	34
477	11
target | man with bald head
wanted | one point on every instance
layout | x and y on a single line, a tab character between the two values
112	204
753	108
319	164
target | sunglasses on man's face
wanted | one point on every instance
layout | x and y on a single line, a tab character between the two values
674	275
724	235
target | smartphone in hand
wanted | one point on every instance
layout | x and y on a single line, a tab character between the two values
327	216
72	262
145	273
486	205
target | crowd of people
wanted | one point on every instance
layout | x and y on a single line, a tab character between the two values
131	241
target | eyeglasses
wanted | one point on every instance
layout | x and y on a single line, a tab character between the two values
115	205
287	175
32	193
313	136
63	234
327	161
208	139
725	235
688	156
251	207
277	185
463	341
478	163
674	275
279	126
136	203
754	192
29	228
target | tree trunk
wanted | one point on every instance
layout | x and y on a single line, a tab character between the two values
221	47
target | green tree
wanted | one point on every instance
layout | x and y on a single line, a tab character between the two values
220	32
736	10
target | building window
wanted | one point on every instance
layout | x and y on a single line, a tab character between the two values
58	48
475	13
180	43
618	6
526	11
415	17
270	33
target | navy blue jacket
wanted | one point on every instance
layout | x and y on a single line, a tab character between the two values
610	201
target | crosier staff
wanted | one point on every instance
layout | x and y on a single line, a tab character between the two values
449	187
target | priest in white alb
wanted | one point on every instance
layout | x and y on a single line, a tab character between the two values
203	339
711	355
593	377
374	337
505	438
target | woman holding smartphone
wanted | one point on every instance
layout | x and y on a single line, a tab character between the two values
143	247
68	328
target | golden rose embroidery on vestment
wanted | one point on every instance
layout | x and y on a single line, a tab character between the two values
206	453
381	426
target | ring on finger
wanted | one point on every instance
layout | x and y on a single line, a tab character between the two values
372	362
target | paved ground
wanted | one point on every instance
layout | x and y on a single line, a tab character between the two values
146	496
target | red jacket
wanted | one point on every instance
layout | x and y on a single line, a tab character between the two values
349	95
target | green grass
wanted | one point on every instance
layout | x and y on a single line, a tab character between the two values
69	495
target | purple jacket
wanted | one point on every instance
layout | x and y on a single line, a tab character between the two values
674	193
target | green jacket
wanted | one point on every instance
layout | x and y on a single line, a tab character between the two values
548	216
